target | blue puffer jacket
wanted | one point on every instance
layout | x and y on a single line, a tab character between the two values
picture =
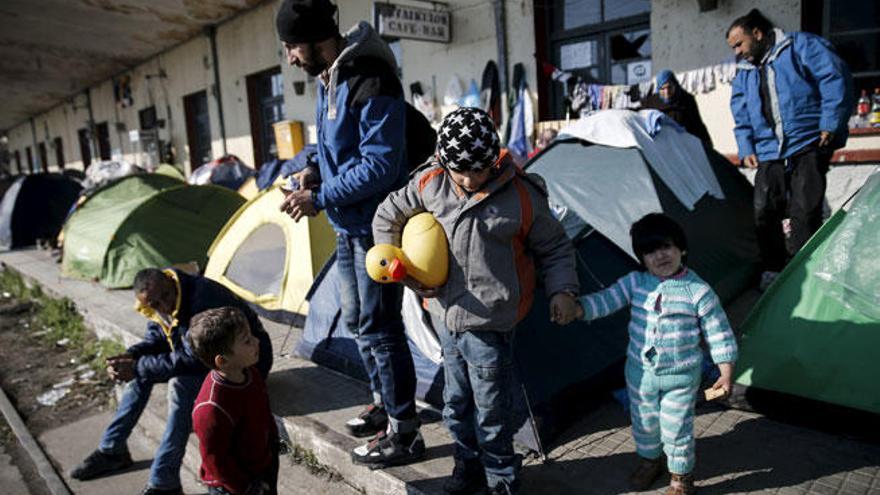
159	360
361	125
811	91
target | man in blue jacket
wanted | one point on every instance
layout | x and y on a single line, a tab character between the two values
169	299
791	101
361	123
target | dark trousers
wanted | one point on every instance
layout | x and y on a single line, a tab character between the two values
792	188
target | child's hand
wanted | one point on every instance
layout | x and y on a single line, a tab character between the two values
564	308
725	381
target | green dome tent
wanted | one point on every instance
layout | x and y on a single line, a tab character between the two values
815	332
143	221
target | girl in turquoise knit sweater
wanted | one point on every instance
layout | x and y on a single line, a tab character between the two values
672	311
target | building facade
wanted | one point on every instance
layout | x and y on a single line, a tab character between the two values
221	91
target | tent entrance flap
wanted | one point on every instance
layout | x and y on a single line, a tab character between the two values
259	265
269	260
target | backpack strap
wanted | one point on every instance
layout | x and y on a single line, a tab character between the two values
525	265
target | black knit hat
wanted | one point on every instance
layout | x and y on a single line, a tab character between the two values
306	21
467	141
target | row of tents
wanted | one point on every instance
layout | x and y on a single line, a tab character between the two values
802	338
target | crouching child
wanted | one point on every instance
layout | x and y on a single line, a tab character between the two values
238	439
499	226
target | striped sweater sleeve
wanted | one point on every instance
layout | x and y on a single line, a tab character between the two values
715	327
609	300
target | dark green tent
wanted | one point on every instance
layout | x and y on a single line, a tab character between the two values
34	207
142	221
815	332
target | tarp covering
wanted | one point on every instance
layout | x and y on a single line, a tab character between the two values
142	221
800	338
269	260
599	191
227	171
34	207
676	156
102	173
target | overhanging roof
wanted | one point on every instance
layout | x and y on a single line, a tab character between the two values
51	50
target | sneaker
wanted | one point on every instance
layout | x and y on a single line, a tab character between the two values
468	477
372	420
647	473
502	488
681	484
149	490
767	279
390	449
99	464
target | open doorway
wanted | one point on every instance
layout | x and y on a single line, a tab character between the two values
266	106
198	128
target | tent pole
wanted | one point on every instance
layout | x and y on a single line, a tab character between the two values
534	424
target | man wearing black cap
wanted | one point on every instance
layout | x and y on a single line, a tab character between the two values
361	123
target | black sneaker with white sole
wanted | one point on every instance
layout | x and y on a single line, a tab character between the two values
468	477
390	449
99	464
372	420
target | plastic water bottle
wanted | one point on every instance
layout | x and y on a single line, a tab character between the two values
875	108
863	108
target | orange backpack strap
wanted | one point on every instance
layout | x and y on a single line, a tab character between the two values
525	266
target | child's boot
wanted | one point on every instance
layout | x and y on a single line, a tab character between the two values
647	473
681	484
468	477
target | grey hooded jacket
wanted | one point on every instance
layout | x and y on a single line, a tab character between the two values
496	237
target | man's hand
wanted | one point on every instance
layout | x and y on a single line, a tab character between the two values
419	289
725	381
750	161
121	367
563	308
825	138
307	178
299	204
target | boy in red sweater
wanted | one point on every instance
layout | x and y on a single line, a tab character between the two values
238	438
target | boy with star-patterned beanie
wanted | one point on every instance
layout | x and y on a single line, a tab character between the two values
499	226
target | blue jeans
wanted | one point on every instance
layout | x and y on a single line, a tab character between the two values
372	313
182	392
478	371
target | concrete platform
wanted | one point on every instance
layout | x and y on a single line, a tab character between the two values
737	452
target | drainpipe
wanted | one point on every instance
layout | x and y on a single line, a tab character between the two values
211	32
96	156
36	153
501	42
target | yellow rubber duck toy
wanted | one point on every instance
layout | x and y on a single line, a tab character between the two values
423	254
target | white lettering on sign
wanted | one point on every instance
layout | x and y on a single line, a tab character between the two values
400	21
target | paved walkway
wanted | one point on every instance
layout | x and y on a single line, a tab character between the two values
737	452
11	480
